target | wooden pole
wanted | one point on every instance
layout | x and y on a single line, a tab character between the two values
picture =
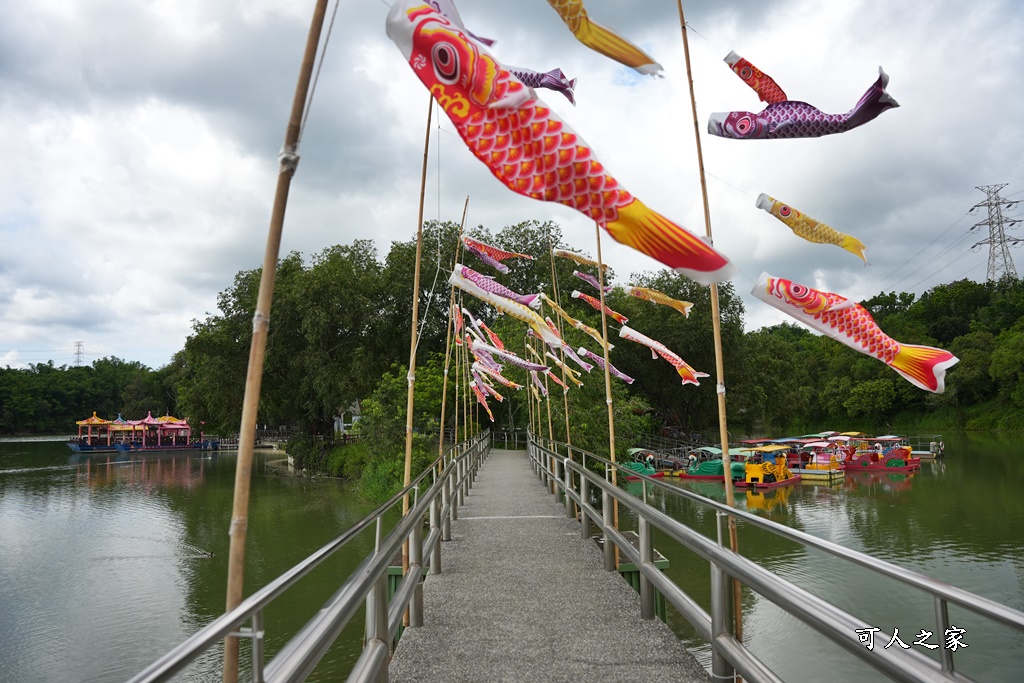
716	323
407	477
448	339
561	351
608	387
258	346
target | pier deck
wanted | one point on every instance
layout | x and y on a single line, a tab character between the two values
523	598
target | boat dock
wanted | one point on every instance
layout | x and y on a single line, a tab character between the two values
524	598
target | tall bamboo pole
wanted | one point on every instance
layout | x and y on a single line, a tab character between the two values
407	478
258	346
561	351
716	323
448	339
608	387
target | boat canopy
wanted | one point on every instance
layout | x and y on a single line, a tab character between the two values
92	420
717	452
771	448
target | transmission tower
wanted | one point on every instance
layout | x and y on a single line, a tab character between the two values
999	262
78	353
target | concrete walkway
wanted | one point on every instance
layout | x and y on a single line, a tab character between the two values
522	597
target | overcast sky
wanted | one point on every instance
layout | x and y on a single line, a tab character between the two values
140	144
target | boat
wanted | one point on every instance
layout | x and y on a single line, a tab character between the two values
926	447
762	474
639	468
163	434
824	466
93	442
882	453
661	462
705	462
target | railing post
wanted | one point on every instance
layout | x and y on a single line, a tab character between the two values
584	500
452	474
609	551
435	523
416	567
646	561
942	622
567	472
460	473
721	598
257	646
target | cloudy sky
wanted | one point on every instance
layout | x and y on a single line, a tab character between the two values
140	144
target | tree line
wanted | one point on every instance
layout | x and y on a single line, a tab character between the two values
339	333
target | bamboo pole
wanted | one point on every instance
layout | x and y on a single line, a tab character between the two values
407	477
448	339
608	387
717	331
561	351
258	346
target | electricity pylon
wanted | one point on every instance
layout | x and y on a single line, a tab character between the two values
999	262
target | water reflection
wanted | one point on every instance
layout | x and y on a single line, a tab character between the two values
96	472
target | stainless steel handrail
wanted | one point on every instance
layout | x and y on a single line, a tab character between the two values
367	583
729	655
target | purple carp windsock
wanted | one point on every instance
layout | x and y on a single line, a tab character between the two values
810	229
485	387
579	325
493	336
689	375
592	281
529	148
570	374
474	325
578	259
598	306
495	375
850	323
507	306
492	256
793	119
568	350
481	399
767	89
552	80
507	356
654	296
603	40
489	284
587	353
540	385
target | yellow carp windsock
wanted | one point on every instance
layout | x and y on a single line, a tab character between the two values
579	259
603	40
527	147
581	326
657	297
810	229
688	374
570	374
507	306
850	323
598	306
568	350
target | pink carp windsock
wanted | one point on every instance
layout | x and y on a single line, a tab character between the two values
810	229
657	297
496	375
766	88
528	148
488	284
601	39
485	387
566	349
592	281
492	256
481	398
598	306
689	375
579	325
794	119
493	336
587	353
507	306
459	323
507	356
579	259
850	323
570	374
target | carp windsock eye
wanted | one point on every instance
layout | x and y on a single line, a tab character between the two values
446	63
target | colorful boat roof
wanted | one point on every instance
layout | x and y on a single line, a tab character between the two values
770	448
93	420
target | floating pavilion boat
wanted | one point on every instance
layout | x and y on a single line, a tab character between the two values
98	441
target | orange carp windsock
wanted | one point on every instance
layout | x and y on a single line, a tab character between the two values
528	148
579	259
688	374
657	297
496	375
598	306
850	323
492	256
601	39
493	336
810	229
763	84
478	392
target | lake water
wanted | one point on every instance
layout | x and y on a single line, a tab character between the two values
105	564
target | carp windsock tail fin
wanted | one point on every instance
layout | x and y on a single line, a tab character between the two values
924	366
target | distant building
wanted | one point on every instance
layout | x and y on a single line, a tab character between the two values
344	420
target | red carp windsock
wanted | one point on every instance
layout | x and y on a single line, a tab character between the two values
603	40
496	375
528	148
492	256
654	296
810	229
684	370
598	306
489	284
850	323
478	392
493	336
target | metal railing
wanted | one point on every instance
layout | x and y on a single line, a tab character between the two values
449	478
571	471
